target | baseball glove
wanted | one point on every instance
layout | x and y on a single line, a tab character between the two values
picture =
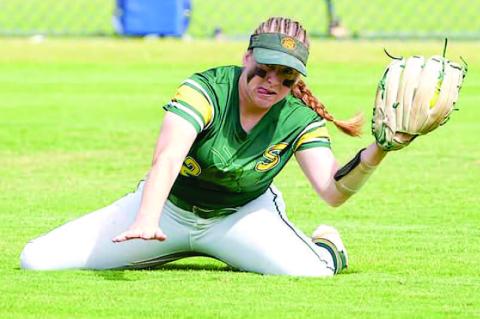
414	97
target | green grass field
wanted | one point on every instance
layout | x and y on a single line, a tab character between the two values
78	123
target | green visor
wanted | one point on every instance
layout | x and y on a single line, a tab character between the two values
279	49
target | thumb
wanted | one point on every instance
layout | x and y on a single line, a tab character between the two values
160	235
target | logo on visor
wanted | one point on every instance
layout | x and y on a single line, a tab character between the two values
289	43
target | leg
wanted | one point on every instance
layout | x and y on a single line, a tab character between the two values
259	238
86	243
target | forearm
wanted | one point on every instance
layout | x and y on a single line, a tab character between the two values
173	144
336	185
350	178
159	182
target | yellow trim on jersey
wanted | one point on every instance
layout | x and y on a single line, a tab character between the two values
319	132
195	99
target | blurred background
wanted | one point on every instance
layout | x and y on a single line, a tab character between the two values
456	19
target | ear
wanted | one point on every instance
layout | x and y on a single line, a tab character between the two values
248	58
298	79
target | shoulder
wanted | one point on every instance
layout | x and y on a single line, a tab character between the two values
309	127
218	75
298	112
215	83
200	97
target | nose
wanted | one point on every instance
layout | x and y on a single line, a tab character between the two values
273	77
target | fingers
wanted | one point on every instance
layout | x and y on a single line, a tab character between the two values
126	235
156	234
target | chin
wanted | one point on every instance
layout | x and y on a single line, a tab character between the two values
264	104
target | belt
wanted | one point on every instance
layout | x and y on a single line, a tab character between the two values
204	213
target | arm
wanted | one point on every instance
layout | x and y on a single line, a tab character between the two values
320	167
175	140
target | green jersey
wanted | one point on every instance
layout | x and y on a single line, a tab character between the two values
227	167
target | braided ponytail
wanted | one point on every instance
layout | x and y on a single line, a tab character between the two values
352	127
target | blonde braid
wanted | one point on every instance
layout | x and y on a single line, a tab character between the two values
353	126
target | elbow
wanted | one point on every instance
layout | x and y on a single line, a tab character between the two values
333	197
335	202
166	159
165	168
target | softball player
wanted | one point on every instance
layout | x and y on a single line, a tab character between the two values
226	134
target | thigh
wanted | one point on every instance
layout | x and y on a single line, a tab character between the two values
86	243
260	238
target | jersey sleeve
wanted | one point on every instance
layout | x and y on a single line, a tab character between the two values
314	135
193	102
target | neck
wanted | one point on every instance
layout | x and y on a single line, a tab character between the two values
247	106
250	114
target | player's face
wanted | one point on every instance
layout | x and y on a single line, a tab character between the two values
266	84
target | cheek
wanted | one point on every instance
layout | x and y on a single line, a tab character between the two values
284	91
250	74
254	82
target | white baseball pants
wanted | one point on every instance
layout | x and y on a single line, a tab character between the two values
257	238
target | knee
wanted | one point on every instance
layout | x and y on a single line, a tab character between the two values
33	258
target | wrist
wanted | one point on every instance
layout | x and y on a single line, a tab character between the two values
373	155
146	219
351	177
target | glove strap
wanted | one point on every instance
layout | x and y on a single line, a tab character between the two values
351	177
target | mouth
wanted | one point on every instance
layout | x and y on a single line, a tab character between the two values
265	92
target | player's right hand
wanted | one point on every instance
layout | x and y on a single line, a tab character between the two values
141	232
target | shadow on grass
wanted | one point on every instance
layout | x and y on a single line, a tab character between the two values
120	274
207	267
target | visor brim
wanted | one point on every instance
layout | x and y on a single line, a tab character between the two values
268	56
